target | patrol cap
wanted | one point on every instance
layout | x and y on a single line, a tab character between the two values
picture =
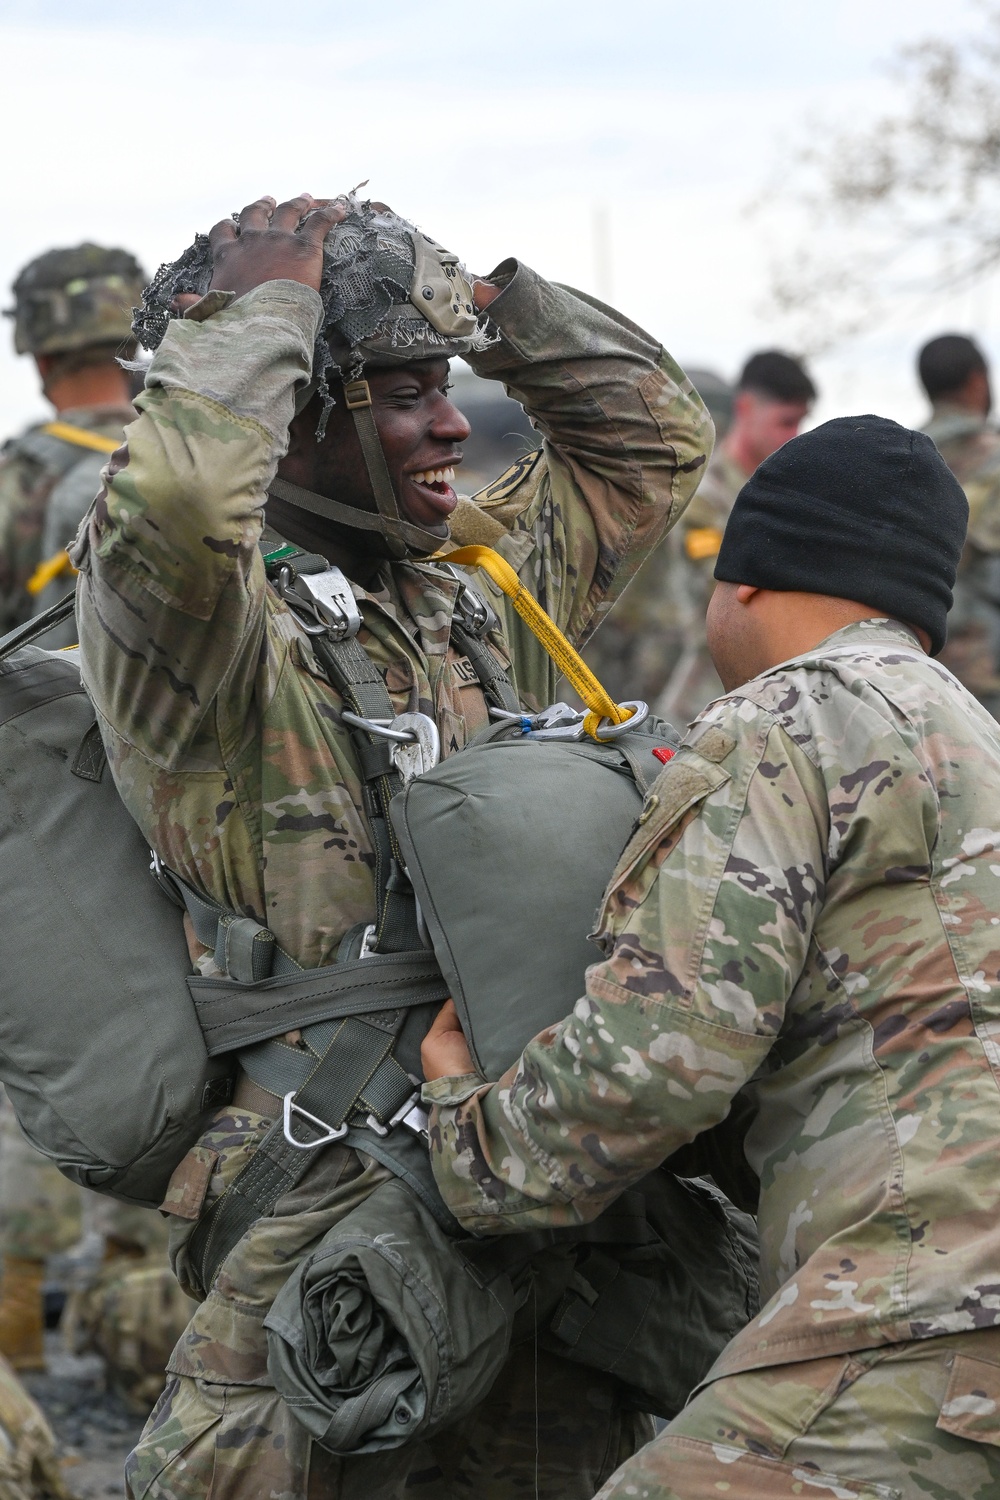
69	299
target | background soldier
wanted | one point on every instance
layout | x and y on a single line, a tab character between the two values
227	737
954	373
29	1468
808	902
653	646
72	312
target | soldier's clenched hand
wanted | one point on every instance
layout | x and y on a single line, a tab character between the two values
273	242
444	1052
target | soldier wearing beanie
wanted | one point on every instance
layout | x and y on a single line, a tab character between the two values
802	932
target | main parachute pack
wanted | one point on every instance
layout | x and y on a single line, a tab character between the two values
490	867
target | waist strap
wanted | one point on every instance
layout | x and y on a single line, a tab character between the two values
234	1016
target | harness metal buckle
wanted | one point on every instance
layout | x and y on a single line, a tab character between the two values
410	1113
330	1132
327	597
422	751
476	613
367	948
415	741
356	394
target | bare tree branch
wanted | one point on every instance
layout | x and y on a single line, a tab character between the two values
911	201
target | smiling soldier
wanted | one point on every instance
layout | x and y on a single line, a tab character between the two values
297	416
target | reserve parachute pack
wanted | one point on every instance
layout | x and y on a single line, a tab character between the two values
114	1052
490	866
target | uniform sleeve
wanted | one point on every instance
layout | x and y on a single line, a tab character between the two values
172	589
707	925
626	439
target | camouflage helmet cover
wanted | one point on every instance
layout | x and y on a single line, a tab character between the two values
69	299
391	295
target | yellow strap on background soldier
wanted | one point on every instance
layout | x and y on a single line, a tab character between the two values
569	662
59	564
52	567
81	438
701	542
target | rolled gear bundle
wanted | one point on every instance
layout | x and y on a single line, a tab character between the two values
391	295
69	299
384	1334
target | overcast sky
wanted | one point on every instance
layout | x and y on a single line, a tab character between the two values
516	128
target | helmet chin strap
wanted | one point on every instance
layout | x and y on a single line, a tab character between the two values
403	537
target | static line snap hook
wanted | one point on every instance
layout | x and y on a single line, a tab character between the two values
640	713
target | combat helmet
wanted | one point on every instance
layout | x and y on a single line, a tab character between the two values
69	299
391	296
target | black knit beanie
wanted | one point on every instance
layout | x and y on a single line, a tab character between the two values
860	508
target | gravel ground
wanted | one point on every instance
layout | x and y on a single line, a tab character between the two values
93	1427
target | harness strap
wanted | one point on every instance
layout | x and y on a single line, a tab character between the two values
493	680
343	1075
38	625
234	1016
354	1080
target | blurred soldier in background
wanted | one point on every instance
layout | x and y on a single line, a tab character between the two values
653	645
72	312
955	376
29	1468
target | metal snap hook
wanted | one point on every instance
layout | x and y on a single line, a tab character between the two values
640	713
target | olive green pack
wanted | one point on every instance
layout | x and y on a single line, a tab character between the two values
101	1052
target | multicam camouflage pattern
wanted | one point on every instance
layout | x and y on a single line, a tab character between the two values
29	1468
814	887
970	447
227	745
653	644
923	1420
68	299
41	477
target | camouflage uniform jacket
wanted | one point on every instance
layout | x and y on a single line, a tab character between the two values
653	645
970	446
38	473
813	884
224	737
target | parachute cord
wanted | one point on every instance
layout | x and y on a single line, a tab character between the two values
570	663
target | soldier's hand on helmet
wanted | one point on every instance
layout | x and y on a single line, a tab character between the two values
273	242
444	1052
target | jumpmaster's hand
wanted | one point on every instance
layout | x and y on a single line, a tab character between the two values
444	1052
